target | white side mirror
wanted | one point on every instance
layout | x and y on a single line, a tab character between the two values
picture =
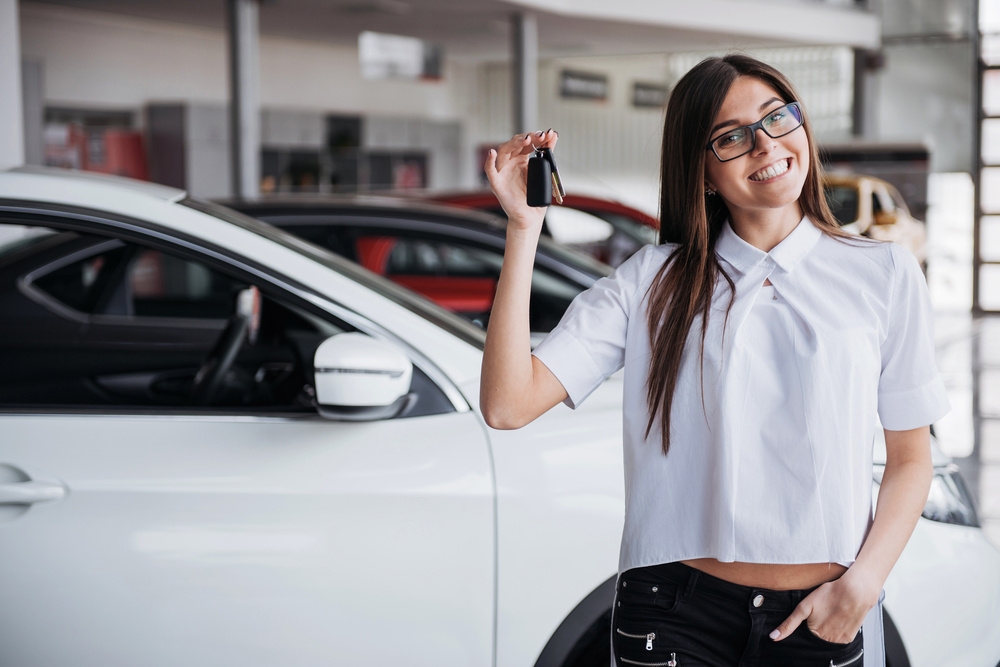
359	378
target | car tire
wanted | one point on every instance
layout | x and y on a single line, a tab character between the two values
895	652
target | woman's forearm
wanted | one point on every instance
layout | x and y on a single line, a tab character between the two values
507	363
901	499
515	387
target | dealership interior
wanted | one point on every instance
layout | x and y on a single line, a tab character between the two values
246	102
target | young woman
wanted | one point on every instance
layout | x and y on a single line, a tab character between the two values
761	347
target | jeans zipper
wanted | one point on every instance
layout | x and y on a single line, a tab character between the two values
648	637
850	661
670	663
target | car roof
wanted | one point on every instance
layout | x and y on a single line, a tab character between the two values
271	209
486	199
155	190
370	206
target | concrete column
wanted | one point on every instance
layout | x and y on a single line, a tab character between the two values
524	72
33	89
244	96
11	119
864	114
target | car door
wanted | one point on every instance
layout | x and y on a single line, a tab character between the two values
139	529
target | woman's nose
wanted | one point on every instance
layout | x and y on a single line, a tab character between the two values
763	142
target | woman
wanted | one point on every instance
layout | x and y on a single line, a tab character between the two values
759	342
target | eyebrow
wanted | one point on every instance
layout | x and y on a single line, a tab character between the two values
736	122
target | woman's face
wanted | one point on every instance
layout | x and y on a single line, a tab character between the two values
771	175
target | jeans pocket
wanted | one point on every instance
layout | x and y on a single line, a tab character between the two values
857	638
646	596
643	622
838	654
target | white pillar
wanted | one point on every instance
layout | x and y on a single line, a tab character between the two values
11	120
524	72
244	96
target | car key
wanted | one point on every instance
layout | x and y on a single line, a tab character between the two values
544	181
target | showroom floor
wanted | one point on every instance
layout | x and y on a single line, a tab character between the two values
969	359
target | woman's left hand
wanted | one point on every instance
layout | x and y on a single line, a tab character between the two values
833	612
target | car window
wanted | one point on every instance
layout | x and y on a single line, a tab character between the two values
155	321
80	282
162	285
15	237
881	201
442	318
460	276
843	202
116	278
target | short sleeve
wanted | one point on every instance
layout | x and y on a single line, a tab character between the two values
588	344
910	390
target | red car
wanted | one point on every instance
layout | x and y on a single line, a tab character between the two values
606	229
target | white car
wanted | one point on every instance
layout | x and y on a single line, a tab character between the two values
220	445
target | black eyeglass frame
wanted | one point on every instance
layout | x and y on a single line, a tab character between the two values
753	127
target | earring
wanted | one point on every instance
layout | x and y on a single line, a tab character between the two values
709	191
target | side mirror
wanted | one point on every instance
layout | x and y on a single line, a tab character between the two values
359	378
885	218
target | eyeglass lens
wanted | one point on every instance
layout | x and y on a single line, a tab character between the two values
741	140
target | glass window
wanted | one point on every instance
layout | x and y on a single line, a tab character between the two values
989	238
989	287
438	316
462	277
843	202
132	360
991	92
81	284
989	190
15	237
991	141
162	285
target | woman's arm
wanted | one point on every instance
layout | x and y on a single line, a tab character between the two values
835	611
515	387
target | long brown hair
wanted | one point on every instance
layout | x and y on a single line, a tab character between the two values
684	285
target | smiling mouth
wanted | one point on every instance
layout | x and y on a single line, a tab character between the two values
772	171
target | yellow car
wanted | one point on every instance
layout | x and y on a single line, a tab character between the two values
872	207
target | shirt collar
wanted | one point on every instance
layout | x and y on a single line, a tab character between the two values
787	254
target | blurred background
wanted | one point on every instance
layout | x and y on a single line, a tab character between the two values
255	98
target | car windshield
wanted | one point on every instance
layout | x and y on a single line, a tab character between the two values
448	321
843	201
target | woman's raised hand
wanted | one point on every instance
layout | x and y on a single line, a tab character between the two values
507	170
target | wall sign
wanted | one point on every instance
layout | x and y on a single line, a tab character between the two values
583	85
649	95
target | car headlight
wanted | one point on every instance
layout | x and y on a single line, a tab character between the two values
949	500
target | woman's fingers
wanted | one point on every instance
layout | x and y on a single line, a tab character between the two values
830	613
491	164
518	145
801	612
523	145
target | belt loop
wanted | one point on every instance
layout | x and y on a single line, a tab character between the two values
692	580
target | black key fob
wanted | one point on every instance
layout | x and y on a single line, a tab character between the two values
539	184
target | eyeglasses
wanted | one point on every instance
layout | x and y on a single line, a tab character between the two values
742	140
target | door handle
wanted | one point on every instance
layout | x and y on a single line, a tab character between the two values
26	493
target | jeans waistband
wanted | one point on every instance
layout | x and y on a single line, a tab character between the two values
691	581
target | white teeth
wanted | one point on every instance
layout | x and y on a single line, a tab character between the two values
770	172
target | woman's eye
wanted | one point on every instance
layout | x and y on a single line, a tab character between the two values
729	140
776	116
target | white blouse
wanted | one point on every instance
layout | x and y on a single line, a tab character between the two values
770	461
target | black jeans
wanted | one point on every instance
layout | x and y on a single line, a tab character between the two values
672	615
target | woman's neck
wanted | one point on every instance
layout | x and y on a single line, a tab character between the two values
765	228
